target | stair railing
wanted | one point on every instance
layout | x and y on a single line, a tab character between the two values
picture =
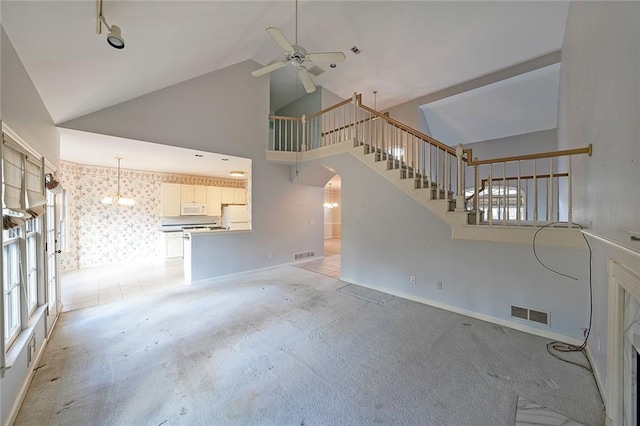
431	163
523	190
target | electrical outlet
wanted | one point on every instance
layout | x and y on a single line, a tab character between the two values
412	279
269	255
598	343
312	222
439	285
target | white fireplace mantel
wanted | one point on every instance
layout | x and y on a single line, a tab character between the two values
624	276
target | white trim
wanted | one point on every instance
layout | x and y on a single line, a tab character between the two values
621	279
634	251
520	327
601	387
21	142
25	387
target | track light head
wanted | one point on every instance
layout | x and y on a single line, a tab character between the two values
114	38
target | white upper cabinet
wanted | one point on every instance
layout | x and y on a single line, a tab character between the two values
193	193
226	195
170	194
239	196
213	201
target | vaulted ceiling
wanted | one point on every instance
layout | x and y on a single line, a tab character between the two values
409	49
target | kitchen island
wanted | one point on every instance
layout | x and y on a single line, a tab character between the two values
214	253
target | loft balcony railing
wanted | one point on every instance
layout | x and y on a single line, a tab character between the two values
527	190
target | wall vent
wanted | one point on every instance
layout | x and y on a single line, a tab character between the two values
356	50
315	70
541	317
303	255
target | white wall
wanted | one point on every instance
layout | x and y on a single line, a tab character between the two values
226	112
23	111
600	104
387	236
22	108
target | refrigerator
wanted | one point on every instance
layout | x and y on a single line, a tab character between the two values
235	217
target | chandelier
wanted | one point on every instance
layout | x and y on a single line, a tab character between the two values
330	204
118	198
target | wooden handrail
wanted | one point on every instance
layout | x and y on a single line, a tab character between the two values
349	125
470	162
408	129
280	117
484	181
338	105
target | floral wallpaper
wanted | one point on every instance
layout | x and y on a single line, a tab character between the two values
100	233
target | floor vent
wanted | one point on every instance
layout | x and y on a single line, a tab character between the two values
304	255
533	315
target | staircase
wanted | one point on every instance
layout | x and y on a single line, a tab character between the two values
502	200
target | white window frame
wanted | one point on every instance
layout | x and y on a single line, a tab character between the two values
32	263
12	285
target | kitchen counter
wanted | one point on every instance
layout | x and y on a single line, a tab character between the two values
197	232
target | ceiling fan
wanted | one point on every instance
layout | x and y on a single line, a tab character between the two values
297	56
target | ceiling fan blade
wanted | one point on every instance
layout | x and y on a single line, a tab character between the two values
277	35
327	57
269	68
306	80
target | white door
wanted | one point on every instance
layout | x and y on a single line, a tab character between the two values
51	259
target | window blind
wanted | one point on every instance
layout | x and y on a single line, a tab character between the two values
36	200
12	173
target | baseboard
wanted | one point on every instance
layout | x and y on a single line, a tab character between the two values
499	321
599	382
249	271
25	387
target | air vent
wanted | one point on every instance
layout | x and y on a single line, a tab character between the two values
517	312
533	315
304	255
315	70
356	50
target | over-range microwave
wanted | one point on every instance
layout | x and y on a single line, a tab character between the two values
193	209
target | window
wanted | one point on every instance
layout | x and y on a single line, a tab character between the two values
11	284
23	203
50	239
32	264
507	202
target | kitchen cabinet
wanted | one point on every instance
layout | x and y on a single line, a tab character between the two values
173	244
233	196
226	195
213	201
239	196
170	194
193	193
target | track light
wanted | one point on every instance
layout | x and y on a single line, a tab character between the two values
114	38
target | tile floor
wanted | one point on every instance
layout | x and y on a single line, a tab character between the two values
328	265
100	285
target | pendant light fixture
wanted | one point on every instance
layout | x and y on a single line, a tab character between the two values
118	198
330	204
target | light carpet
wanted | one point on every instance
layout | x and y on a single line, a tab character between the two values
284	347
